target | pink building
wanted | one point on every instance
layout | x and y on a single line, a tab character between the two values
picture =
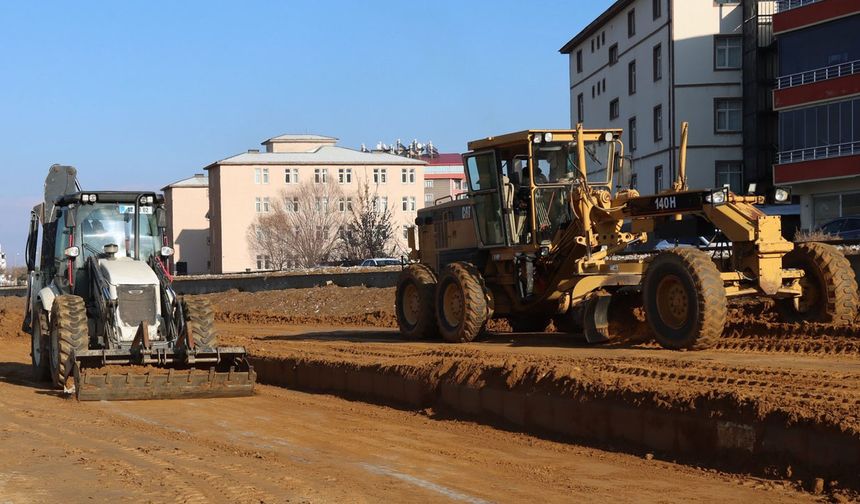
443	177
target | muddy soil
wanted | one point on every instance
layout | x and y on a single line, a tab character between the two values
284	446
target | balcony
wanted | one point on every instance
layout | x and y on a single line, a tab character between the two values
818	75
816	153
785	5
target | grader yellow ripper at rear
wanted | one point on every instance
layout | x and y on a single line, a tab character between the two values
536	239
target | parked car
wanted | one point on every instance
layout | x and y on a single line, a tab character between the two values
847	228
381	261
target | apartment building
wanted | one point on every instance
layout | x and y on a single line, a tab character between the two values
444	177
187	203
245	185
817	97
648	65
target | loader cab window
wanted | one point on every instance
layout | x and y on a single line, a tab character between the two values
113	223
483	174
558	162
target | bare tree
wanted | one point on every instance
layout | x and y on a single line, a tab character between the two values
302	228
368	232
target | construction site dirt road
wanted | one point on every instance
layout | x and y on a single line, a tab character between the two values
289	446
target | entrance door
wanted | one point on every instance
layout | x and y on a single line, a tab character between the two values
483	174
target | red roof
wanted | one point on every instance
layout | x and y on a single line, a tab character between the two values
444	160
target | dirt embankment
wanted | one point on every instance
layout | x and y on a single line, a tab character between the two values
11	316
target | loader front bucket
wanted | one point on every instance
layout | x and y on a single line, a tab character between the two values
231	376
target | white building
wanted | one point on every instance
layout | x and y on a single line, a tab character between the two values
647	66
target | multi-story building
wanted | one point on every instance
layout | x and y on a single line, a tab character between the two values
187	204
817	96
444	177
648	65
251	183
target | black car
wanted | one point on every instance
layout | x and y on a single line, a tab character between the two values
847	228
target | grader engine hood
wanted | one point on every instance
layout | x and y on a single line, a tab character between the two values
135	288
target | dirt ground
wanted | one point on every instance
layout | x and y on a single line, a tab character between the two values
285	446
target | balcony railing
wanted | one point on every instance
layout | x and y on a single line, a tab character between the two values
784	5
823	152
821	74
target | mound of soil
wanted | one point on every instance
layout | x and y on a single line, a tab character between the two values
11	317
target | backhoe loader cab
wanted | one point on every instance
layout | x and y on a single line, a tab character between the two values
100	294
539	236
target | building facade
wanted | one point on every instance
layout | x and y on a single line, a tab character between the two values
248	184
444	177
187	204
817	96
647	66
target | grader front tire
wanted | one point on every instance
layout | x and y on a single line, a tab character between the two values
413	302
461	303
685	299
830	288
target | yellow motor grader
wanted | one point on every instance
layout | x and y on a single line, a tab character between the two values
540	236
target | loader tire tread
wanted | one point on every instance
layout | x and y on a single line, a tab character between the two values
200	322
69	326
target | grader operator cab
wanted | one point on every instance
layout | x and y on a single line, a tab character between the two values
539	237
99	296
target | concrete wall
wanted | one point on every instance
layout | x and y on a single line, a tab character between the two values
257	283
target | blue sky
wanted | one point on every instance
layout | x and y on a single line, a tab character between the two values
138	95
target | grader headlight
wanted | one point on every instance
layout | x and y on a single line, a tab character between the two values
718	197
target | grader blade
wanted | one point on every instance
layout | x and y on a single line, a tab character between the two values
231	376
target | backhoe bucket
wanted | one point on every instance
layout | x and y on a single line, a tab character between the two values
224	372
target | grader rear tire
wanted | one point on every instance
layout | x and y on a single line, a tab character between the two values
200	322
829	286
461	303
413	302
68	333
685	299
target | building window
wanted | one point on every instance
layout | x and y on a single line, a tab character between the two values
264	262
631	78
657	8
266	204
592	45
404	203
428	199
292	204
380	175
631	132
428	184
344	175
821	131
728	52
407	175
579	61
634	181
730	174
412	204
631	23
832	206
658	179
592	92
658	123
658	62
291	176
320	175
613	54
258	205
580	107
258	176
405	231
614	109
322	204
458	184
727	115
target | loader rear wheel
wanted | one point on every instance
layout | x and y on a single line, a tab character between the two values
685	299
829	286
40	346
461	303
200	322
413	302
69	334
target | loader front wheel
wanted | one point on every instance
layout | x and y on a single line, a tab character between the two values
461	303
829	286
413	302
69	334
685	299
200	322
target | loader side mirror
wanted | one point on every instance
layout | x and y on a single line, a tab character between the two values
70	217
161	217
